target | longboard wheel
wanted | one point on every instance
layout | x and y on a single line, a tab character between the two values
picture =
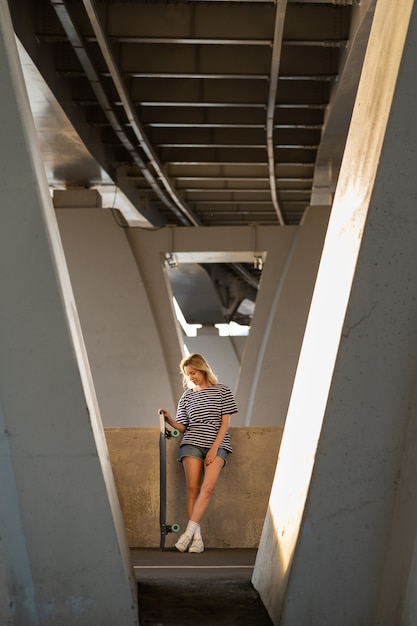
171	432
172	528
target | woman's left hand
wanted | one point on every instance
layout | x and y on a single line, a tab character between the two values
210	456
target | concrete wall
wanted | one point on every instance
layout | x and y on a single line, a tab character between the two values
237	511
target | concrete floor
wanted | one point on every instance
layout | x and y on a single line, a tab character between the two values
214	587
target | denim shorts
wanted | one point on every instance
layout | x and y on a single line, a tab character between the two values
198	452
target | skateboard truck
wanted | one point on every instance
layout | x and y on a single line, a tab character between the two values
165	432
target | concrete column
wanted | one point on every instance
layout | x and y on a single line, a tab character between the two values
277	329
63	549
329	530
120	334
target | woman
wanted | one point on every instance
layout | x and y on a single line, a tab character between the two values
203	416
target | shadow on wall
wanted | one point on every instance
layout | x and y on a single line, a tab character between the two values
237	512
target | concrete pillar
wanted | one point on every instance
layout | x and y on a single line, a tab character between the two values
277	329
329	533
119	330
63	550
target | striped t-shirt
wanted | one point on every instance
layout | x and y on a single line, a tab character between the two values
201	413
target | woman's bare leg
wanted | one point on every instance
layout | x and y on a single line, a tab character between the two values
198	498
193	469
201	502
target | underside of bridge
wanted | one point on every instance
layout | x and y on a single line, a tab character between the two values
195	113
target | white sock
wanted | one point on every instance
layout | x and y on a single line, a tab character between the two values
197	533
191	528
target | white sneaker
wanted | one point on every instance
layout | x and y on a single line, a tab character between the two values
183	542
197	545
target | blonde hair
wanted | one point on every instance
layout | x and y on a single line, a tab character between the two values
199	363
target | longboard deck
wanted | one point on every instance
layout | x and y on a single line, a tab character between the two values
164	434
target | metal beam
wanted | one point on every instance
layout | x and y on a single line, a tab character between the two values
276	57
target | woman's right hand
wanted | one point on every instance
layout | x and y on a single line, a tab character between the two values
171	421
167	415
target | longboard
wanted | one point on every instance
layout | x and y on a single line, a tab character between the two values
165	433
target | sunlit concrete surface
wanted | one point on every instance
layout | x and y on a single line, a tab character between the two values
343	478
